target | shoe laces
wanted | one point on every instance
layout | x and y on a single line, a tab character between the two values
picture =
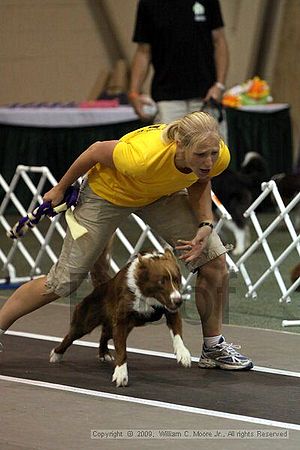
230	348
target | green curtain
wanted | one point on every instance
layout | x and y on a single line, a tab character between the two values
55	148
268	133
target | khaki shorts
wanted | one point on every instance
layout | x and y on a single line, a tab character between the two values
169	110
171	217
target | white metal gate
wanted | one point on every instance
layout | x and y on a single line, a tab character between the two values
270	188
44	240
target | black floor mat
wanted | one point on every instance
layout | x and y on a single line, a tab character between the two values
256	394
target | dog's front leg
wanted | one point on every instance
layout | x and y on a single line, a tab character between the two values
120	375
174	323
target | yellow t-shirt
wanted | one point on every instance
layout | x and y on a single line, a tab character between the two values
145	169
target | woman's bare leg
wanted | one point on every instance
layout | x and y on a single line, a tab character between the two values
211	295
27	298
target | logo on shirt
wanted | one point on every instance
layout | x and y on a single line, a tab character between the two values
199	12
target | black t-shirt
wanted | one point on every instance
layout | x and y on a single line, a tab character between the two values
180	35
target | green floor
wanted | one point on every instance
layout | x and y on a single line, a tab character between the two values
265	311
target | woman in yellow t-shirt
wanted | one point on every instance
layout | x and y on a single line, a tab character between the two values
161	173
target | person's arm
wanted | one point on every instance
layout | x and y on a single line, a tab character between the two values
99	152
200	200
221	56
139	70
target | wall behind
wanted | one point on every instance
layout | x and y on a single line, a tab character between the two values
48	50
54	50
287	64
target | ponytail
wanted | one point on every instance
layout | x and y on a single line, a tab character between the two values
170	133
197	128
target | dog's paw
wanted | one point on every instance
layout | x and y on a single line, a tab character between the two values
183	357
182	354
238	250
106	357
55	357
120	375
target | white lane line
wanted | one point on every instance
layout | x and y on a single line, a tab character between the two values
267	330
140	351
155	403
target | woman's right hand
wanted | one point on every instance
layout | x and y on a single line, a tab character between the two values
54	196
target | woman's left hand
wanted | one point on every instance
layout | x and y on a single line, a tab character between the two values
193	249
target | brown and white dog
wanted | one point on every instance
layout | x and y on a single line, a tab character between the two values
143	291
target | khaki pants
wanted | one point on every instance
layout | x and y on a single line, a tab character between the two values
171	217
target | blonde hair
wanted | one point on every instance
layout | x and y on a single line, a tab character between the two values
195	129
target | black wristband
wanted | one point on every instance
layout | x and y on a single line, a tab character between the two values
206	224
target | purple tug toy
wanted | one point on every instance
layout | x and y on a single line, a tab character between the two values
45	209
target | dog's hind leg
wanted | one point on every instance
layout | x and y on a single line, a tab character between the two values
182	354
77	331
56	354
86	317
106	335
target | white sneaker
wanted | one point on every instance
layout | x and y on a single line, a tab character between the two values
224	356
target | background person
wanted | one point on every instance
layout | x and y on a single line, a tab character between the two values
186	45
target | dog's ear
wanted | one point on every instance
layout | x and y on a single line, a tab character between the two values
169	253
140	257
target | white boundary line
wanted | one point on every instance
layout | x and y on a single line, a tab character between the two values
43	337
267	330
155	403
62	303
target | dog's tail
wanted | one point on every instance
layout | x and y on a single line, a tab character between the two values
100	270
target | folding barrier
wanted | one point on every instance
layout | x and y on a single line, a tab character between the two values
270	188
19	248
55	230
